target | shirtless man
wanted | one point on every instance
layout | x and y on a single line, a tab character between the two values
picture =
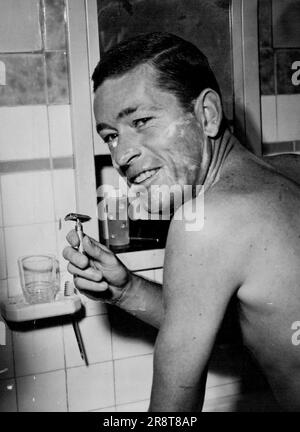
158	107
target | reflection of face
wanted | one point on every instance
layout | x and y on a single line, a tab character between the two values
152	140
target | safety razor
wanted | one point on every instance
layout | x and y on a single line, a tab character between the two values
79	219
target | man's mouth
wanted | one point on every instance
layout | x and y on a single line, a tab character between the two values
145	175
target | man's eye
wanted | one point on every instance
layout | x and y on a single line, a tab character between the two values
141	122
108	139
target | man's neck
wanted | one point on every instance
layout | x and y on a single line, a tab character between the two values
220	149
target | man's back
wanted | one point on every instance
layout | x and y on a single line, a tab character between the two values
265	213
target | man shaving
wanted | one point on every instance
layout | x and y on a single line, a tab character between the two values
158	107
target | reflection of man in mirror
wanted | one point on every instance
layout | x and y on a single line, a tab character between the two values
158	107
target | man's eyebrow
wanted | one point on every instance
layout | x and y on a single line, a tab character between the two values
130	110
101	126
126	111
123	113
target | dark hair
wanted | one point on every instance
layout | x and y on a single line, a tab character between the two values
181	67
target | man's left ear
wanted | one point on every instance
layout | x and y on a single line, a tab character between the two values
208	110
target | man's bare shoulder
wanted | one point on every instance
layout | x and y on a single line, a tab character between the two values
233	217
257	198
209	231
215	215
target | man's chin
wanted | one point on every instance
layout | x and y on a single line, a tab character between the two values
159	210
157	202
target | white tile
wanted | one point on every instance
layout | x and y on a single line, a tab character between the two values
1	209
90	388
14	287
217	379
38	350
6	356
42	393
223	390
24	132
141	406
61	230
3	265
64	193
28	240
8	399
60	130
222	404
143	260
27	198
288	111
133	379
147	274
158	275
96	336
268	119
108	409
129	340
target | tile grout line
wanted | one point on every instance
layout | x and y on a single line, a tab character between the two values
113	366
39	164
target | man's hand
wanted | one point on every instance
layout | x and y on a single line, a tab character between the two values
98	272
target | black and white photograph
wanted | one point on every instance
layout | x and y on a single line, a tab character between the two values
149	209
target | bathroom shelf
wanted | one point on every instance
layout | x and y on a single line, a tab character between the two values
17	310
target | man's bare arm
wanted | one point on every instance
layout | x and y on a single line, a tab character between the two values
100	275
199	281
143	299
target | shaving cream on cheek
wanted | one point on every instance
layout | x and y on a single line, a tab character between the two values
178	127
184	152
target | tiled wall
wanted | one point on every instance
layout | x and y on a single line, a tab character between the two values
40	365
279	44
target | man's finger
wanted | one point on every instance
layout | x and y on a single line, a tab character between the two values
89	273
72	238
76	258
97	251
83	284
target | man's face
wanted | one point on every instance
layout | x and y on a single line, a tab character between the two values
152	140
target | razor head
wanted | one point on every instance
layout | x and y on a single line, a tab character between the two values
77	217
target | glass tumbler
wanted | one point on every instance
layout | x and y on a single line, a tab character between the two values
40	278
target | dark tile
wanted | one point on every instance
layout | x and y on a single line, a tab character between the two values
265	23
266	71
25	80
286	27
278	147
55	25
57	77
284	62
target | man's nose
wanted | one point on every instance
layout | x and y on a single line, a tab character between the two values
125	153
